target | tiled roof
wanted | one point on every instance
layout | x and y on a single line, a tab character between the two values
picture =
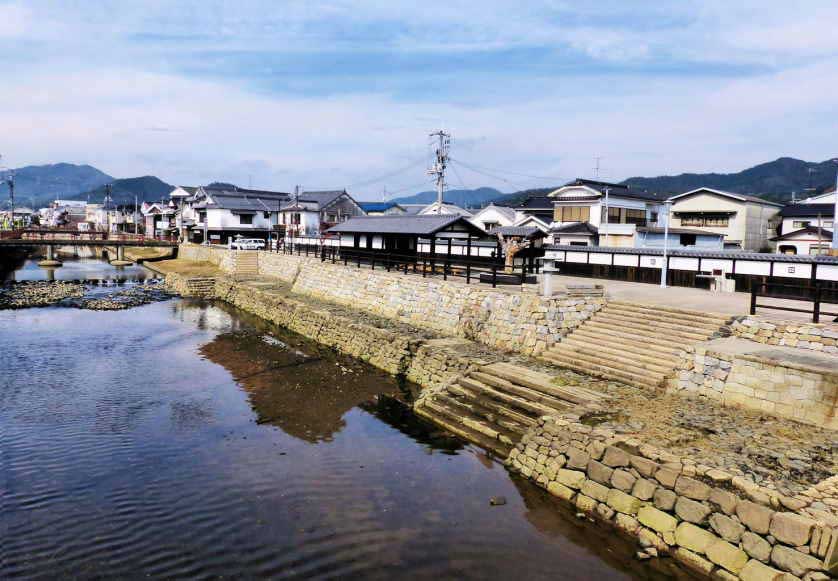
414	225
697	232
539	202
808	211
576	228
734	195
825	234
377	206
525	231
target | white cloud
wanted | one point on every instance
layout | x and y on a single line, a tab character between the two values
14	20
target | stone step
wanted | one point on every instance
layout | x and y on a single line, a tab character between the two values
541	382
599	370
470	421
530	408
616	366
547	402
665	335
660	322
466	405
684	314
611	356
637	344
490	404
499	449
636	350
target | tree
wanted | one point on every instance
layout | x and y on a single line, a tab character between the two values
511	246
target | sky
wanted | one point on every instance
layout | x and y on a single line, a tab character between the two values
335	94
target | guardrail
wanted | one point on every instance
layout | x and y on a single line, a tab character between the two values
815	294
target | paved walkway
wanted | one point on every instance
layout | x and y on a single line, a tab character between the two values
801	358
692	298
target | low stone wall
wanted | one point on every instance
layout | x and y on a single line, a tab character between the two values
219	256
502	319
781	388
821	337
715	524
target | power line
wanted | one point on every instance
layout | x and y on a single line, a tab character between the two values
497	177
526	175
413	164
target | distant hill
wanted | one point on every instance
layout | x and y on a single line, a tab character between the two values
463	198
775	180
38	184
145	188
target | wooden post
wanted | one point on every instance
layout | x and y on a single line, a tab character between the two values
494	275
816	312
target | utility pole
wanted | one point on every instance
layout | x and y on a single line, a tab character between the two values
438	168
136	219
11	181
664	269
107	205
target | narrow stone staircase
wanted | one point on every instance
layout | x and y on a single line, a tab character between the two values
633	343
247	263
202	287
496	404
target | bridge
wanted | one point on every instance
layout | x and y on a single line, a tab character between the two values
52	238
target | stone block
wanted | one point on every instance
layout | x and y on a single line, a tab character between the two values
793	561
644	489
622	502
726	527
623	480
691	511
667	476
585	503
694	538
726	555
693	562
756	546
791	529
604	511
657	520
616	457
664	499
724	500
599	472
571	478
577	458
754	516
560	490
692	488
595	490
627	524
756	571
644	466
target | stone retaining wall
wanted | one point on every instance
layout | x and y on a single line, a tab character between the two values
715	524
502	319
821	337
780	388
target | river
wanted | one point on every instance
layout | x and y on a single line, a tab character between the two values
184	439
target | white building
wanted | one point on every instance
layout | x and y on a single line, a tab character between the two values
219	215
443	209
579	213
747	222
493	216
806	228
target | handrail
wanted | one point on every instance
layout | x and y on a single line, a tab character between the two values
812	293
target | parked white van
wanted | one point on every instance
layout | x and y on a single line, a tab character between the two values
248	244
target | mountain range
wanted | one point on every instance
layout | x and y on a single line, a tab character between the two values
37	185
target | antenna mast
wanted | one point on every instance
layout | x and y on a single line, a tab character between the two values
438	168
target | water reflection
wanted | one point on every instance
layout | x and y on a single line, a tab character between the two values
75	268
182	440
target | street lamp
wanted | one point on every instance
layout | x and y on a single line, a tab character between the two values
668	206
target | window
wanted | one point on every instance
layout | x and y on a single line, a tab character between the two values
202	217
295	218
636	217
800	224
266	215
331	217
245	218
572	214
687	239
489	225
815	249
708	219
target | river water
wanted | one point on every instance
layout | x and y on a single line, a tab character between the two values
184	439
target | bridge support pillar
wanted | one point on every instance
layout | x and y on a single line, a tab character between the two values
120	257
50	261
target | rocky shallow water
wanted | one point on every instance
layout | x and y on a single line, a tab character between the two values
29	294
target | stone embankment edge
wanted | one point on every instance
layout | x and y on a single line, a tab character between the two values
716	524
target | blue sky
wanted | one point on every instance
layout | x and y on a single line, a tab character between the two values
334	94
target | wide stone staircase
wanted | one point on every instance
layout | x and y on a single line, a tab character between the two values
247	263
494	405
634	343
